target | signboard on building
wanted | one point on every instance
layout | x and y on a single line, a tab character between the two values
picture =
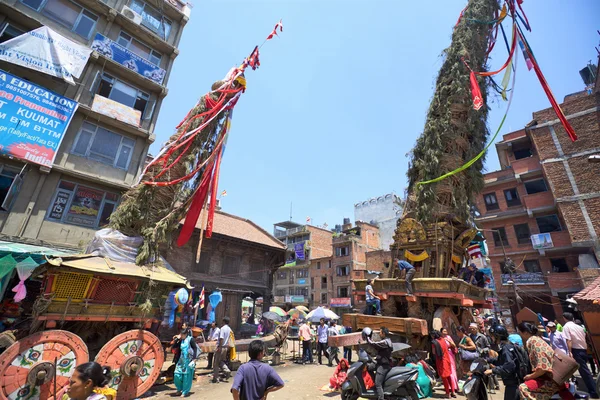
118	111
33	120
301	281
299	250
294	299
127	58
46	51
490	283
85	206
527	278
279	299
542	241
341	302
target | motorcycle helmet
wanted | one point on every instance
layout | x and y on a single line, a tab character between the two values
366	333
500	332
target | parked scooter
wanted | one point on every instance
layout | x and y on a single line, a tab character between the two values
400	382
475	387
573	389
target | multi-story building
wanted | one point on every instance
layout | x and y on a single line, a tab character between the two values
542	209
383	211
331	277
118	96
304	244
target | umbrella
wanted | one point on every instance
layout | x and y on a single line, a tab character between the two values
272	316
398	348
320	312
278	310
302	308
298	314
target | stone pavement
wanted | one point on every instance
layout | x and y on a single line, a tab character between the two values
301	382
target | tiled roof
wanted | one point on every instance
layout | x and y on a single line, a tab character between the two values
590	293
241	228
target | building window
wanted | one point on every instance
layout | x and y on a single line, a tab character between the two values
559	265
491	202
280	292
312	297
152	18
312	282
123	93
281	275
532	266
537	186
523	234
386	265
343	270
67	13
548	223
512	197
137	47
302	273
80	205
323	282
231	266
342	251
10	184
323	298
318	265
255	270
203	266
499	237
103	145
328	263
522	152
9	31
342	292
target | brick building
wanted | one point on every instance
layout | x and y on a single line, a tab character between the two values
331	277
292	281
547	185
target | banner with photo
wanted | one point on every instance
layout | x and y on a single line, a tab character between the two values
299	250
127	58
33	120
46	51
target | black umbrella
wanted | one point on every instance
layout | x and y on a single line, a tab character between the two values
270	315
398	348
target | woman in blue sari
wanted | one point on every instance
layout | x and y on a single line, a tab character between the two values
412	361
186	365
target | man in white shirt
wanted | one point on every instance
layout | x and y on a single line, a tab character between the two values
577	344
213	336
222	352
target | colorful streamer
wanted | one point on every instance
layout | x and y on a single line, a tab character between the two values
475	92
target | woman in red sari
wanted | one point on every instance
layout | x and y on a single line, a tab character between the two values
452	351
339	375
439	350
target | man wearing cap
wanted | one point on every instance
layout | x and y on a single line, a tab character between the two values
557	339
409	271
480	340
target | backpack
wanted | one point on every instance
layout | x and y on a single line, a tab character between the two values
523	365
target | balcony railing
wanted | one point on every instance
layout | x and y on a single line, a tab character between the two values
280	234
539	200
526	165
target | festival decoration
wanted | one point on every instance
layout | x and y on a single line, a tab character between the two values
433	147
176	184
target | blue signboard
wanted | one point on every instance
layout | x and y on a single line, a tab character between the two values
33	120
299	249
301	281
489	276
127	58
528	278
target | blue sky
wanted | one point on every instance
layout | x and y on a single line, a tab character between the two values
342	94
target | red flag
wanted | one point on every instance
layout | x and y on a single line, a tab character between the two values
201	300
253	60
274	33
475	92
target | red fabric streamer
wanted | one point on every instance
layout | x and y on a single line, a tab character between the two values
475	92
274	33
462	13
559	112
253	60
213	195
510	55
195	208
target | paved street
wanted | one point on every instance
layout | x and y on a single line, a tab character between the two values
301	382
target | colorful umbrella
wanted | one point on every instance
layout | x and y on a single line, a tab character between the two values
302	308
320	312
296	313
272	316
278	310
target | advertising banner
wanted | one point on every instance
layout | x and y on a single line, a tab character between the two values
491	284
340	302
301	281
299	249
527	278
279	299
542	241
46	51
294	299
127	58
118	111
33	120
85	206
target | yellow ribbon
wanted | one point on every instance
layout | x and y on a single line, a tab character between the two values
456	259
416	257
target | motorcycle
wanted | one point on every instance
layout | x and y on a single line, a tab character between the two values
400	382
475	387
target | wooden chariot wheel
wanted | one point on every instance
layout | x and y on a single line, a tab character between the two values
28	368
136	358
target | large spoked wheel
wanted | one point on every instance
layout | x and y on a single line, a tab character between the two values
136	358
30	367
